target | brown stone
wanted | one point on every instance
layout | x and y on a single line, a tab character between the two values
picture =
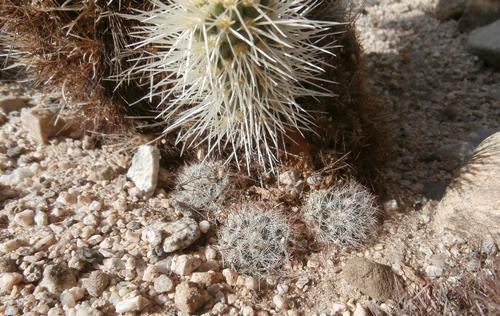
189	297
373	279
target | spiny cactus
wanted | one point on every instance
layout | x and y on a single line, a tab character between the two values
200	185
343	214
228	72
254	241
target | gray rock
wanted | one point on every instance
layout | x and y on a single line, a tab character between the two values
485	43
9	104
375	280
189	297
144	169
96	283
180	234
450	9
479	13
471	204
57	278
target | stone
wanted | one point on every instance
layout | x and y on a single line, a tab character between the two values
7	265
85	309
70	297
25	218
133	304
230	276
204	226
33	273
11	245
9	104
189	297
450	9
373	279
247	311
471	204
144	169
57	278
434	271
485	43
8	281
96	283
180	234
479	13
360	311
6	193
163	284
41	218
185	264
102	173
280	302
205	278
16	177
40	124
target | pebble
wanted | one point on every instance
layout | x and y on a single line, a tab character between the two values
180	234
8	281
9	104
189	297
433	271
204	278
247	311
280	302
70	297
230	276
41	218
33	273
185	264
210	253
11	245
7	265
133	304
145	167
360	311
204	226
163	284
57	278
96	283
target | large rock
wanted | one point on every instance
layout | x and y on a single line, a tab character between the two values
450	9
9	104
145	167
41	124
479	13
485	43
373	279
471	204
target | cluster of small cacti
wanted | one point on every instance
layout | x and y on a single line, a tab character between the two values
254	241
343	214
202	185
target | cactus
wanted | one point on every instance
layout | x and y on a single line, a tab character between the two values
254	242
343	214
229	72
200	185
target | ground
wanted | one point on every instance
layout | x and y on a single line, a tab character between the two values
437	95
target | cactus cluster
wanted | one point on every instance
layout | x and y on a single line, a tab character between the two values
228	72
344	214
202	184
254	241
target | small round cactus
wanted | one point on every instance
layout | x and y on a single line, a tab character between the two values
254	242
228	72
343	214
202	184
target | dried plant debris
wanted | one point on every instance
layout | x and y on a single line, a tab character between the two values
254	241
342	214
71	48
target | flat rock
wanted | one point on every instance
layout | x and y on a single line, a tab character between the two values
40	124
9	104
471	204
450	9
96	283
180	234
189	297
485	43
373	279
479	13
144	169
